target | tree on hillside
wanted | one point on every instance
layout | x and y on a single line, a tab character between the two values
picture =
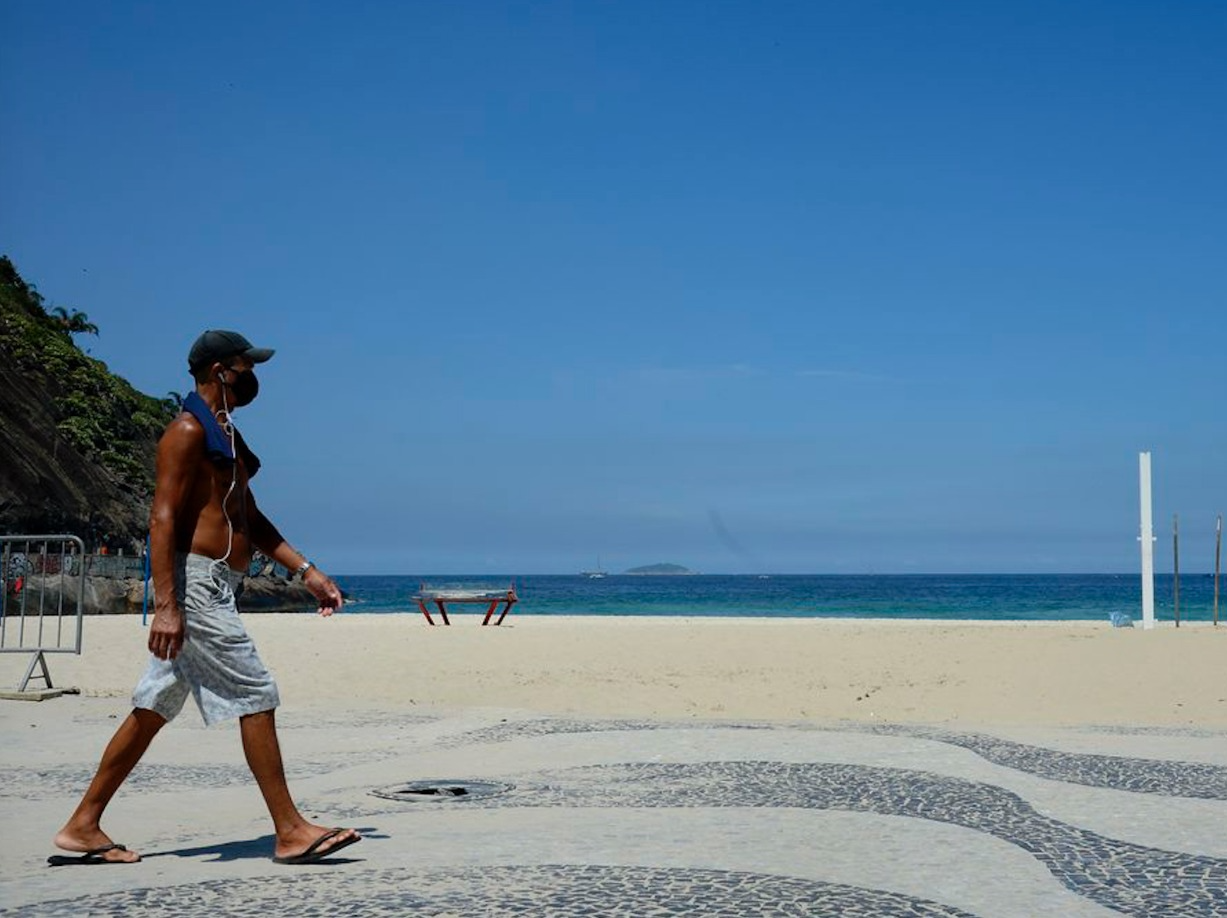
75	322
27	295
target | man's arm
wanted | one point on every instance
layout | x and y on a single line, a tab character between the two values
264	536
179	453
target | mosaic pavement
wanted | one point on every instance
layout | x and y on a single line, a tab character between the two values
555	890
1119	877
1129	878
1143	776
30	783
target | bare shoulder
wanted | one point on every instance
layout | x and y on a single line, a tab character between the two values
182	435
180	457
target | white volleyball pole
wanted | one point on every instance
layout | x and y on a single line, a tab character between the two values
1147	538
1218	555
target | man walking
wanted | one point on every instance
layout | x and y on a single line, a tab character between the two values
204	527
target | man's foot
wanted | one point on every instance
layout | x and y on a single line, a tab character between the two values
94	847
319	844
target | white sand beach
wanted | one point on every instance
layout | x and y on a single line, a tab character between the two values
965	673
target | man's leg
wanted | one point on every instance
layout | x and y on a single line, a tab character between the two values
83	831
294	833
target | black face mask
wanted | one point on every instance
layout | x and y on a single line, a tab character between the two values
245	386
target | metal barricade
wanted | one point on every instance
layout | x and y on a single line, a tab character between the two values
42	596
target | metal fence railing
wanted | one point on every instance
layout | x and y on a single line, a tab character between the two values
42	595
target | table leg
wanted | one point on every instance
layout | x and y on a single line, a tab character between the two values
506	609
425	611
442	611
489	612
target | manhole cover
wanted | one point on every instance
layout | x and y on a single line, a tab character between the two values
440	791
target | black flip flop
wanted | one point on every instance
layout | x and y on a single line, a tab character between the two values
313	852
88	858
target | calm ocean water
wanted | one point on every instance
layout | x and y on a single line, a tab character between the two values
1035	597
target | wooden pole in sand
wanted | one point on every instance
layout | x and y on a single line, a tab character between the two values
1147	540
1176	566
1218	554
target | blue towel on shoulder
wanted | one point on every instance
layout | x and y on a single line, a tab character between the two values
217	444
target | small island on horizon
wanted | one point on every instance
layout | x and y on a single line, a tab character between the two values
659	570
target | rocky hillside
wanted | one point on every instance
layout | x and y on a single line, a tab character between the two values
77	443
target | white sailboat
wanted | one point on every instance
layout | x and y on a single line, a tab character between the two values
598	574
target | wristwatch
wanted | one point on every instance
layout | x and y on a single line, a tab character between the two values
302	569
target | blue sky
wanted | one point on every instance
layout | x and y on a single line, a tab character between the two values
790	287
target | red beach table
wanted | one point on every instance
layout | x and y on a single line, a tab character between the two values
443	596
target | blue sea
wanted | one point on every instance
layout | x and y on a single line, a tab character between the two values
980	597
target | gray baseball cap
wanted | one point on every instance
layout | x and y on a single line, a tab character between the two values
215	345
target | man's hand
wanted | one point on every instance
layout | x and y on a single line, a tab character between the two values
323	589
166	634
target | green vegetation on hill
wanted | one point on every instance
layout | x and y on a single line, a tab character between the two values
77	443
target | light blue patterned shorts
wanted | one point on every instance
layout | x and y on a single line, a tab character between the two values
218	663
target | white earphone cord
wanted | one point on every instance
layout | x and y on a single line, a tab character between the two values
227	425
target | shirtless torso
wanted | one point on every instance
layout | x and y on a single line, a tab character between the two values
196	490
